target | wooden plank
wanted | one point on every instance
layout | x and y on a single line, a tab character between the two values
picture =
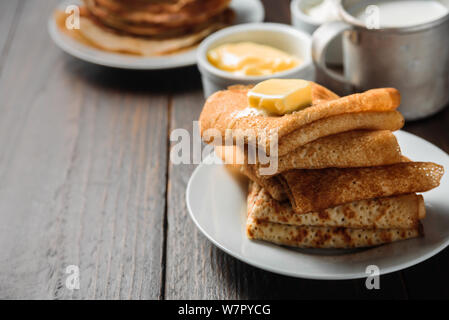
188	253
82	172
195	269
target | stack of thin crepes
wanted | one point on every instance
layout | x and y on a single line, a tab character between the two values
147	27
341	180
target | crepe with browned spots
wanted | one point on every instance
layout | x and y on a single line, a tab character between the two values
363	148
395	212
325	237
360	224
314	190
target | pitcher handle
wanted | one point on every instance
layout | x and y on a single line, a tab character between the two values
320	42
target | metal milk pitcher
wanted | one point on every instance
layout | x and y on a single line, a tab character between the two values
413	59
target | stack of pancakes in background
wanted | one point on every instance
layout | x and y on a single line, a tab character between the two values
341	180
148	27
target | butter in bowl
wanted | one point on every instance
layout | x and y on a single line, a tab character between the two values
250	53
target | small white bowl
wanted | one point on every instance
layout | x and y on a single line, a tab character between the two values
280	36
303	22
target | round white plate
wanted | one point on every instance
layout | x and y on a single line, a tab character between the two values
246	11
216	201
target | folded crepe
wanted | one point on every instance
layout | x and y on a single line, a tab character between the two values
396	212
328	115
364	148
314	190
350	149
360	224
325	237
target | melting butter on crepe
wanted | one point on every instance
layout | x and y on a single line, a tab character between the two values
371	110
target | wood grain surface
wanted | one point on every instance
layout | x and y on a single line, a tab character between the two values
83	172
85	179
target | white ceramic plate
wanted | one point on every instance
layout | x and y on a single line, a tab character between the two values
246	11
216	201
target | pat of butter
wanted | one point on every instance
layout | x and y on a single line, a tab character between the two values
281	96
251	59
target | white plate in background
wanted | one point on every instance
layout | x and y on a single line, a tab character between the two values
216	201
246	11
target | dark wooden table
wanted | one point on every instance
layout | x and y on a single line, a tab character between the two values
85	180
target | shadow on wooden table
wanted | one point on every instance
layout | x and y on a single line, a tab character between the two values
260	284
136	81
